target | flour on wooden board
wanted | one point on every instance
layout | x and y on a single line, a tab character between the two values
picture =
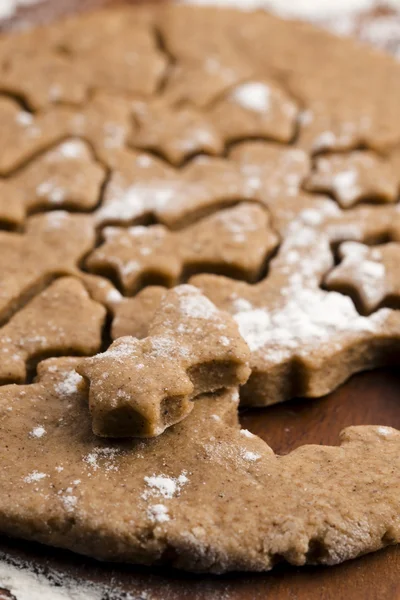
26	582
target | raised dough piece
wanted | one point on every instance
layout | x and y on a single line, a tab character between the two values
236	241
370	275
138	388
178	499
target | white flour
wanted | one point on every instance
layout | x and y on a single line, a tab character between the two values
9	7
25	584
312	10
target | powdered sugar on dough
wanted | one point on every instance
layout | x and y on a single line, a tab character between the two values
302	324
34	477
195	306
127	205
304	9
347	186
161	485
70	385
158	513
253	96
102	458
304	316
38	432
9	7
370	274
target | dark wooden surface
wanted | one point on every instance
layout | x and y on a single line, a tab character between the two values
369	398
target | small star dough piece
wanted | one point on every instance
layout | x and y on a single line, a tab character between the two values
65	177
177	134
51	245
23	135
236	241
255	109
370	275
355	177
60	320
138	388
314	505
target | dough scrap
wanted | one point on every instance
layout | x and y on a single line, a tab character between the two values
139	388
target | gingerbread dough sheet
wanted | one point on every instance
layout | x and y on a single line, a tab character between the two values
257	160
139	501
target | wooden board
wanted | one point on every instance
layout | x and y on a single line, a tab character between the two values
369	398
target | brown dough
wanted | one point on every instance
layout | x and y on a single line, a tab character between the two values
203	496
138	388
235	241
66	176
51	245
370	275
265	98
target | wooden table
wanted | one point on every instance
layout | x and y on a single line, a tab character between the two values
369	398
